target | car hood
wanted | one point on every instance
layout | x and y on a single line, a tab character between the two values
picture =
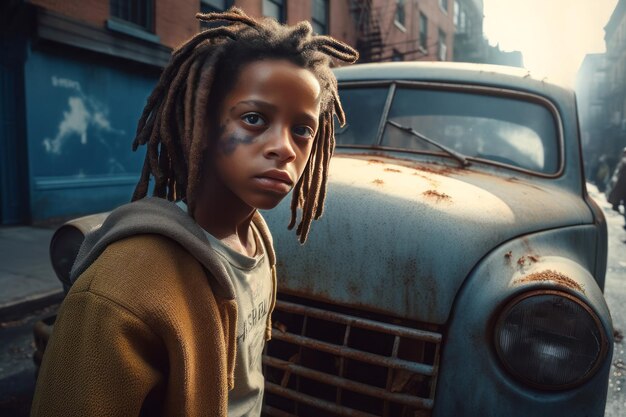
400	237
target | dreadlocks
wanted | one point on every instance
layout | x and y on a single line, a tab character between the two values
179	114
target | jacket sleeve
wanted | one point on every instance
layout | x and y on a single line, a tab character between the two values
101	360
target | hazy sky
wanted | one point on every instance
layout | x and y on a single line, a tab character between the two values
553	35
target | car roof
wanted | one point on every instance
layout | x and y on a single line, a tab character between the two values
453	72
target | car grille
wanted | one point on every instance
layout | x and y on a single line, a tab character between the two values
339	363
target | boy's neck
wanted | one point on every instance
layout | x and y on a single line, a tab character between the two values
229	223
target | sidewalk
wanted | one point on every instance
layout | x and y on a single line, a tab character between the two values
27	280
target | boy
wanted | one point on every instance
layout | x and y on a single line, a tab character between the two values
171	303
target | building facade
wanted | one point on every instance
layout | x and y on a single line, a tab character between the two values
601	95
468	38
615	37
591	97
405	30
74	77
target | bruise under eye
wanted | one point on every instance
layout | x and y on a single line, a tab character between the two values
230	142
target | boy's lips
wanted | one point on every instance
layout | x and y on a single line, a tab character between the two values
277	175
275	180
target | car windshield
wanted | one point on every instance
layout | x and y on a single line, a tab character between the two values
503	129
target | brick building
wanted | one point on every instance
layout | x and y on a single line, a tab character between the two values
405	30
74	77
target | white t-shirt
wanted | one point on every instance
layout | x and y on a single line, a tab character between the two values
252	280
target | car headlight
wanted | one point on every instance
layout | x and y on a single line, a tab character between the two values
550	339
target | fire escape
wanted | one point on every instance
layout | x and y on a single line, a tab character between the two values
370	38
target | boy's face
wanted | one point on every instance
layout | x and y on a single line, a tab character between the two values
268	123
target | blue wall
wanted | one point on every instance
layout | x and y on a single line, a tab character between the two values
82	112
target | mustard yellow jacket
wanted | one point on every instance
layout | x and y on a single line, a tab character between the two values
142	332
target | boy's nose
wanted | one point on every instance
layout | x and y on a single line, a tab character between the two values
280	145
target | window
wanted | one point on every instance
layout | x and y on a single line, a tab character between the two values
424	32
400	12
444	5
442	50
211	6
456	13
397	55
319	17
461	27
508	130
363	107
275	9
137	12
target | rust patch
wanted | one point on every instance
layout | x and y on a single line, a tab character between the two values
354	290
378	182
521	261
436	194
431	167
508	257
533	258
392	170
551	276
431	181
440	170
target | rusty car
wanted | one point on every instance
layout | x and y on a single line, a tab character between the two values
459	266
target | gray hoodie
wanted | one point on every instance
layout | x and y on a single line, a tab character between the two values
158	216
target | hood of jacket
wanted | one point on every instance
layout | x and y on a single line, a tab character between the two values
162	217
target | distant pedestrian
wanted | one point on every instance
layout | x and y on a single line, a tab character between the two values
172	297
601	174
616	191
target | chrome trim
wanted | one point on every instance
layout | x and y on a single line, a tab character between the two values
289	361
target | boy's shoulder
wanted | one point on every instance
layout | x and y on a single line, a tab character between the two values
144	273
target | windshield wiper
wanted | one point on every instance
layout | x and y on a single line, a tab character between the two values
456	155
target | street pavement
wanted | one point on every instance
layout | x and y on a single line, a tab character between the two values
27	280
615	295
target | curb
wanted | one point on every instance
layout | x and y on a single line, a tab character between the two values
18	309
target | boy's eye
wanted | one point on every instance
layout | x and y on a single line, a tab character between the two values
303	131
253	119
